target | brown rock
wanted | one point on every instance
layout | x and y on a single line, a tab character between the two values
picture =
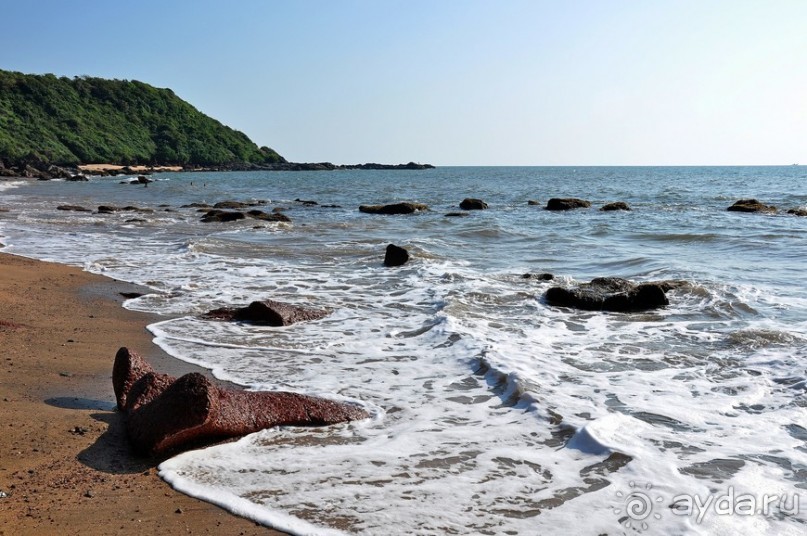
261	215
751	205
73	208
222	216
566	204
619	205
165	413
395	256
612	294
396	208
798	211
267	312
473	204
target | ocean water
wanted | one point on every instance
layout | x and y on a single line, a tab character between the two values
492	412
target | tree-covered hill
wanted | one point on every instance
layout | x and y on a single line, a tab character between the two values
46	119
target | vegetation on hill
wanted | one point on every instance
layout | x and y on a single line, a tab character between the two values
45	119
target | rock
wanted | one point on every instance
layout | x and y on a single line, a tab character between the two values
306	203
395	208
473	204
131	295
533	202
196	205
230	204
107	209
456	215
619	205
798	211
165	413
59	172
77	178
73	208
395	256
137	209
267	313
751	205
539	277
612	294
135	220
142	179
566	204
275	216
222	216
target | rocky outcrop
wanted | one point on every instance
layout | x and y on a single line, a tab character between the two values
73	208
222	216
267	313
618	205
470	203
395	256
751	205
77	178
395	208
274	216
566	203
613	294
798	211
164	413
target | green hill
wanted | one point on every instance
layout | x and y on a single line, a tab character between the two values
47	119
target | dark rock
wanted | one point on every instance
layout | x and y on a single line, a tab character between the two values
611	294
142	179
619	205
222	216
395	208
59	172
131	295
473	204
135	220
261	215
230	204
456	214
267	313
78	178
107	209
539	277
751	205
533	202
395	256
330	206
798	211
137	209
164	413
566	204
73	208
306	203
196	205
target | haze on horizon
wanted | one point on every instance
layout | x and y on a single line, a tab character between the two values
474	82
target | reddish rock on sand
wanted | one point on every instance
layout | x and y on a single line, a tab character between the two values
165	413
267	312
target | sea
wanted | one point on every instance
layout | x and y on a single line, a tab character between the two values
492	412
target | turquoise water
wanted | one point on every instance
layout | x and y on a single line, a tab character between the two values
493	412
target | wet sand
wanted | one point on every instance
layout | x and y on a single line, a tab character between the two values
65	463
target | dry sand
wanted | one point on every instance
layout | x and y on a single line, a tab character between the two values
65	464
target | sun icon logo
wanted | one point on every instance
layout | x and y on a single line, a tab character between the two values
638	507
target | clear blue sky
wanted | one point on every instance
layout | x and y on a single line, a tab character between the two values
507	82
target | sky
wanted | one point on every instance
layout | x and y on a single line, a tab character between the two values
453	82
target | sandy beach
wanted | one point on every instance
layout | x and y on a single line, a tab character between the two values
65	463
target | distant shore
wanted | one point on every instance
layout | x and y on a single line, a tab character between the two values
66	466
46	171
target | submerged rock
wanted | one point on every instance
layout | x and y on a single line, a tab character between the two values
395	208
395	256
619	205
222	216
456	214
539	277
470	203
568	203
73	208
164	413
267	313
751	205
613	294
798	211
274	216
533	202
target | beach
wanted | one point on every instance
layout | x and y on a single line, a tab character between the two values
65	463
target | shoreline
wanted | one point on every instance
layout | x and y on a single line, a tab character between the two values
66	465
